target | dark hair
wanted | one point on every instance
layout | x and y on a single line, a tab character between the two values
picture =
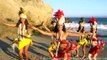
56	28
19	21
81	20
20	12
52	22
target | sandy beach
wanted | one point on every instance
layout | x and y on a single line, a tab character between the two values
38	51
24	15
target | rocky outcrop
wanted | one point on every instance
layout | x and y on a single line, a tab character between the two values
37	10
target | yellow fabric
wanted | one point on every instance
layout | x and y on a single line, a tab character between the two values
24	12
24	42
15	40
83	41
52	47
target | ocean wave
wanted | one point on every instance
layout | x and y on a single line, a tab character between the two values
74	25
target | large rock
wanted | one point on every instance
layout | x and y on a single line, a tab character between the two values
37	10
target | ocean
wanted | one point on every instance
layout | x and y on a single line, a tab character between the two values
102	25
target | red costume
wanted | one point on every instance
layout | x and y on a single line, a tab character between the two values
71	45
92	20
96	49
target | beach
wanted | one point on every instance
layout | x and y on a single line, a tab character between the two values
38	50
23	15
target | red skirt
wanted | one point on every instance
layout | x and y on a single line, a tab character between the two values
94	50
61	56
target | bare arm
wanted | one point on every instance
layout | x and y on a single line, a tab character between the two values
47	29
72	31
81	28
11	25
39	25
75	34
43	32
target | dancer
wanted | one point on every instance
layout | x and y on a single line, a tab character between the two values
93	24
97	46
60	34
22	31
53	45
24	45
81	25
82	41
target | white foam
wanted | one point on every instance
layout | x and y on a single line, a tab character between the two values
74	25
101	26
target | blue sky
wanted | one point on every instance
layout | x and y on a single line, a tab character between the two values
80	8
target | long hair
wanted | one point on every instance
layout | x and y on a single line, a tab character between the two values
26	23
56	28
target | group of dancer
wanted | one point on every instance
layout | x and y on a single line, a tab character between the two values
60	47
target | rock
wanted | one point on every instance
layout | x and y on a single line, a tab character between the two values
36	10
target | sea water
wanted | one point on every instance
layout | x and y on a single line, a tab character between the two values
102	25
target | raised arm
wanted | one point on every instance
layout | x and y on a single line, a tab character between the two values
47	28
39	25
43	32
80	29
7	24
11	25
75	34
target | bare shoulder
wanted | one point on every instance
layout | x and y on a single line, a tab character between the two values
66	33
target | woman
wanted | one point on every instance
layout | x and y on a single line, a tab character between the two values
24	45
81	30
81	25
83	41
93	24
53	45
22	25
60	34
24	42
97	46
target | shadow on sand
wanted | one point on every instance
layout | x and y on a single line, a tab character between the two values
4	46
42	44
37	53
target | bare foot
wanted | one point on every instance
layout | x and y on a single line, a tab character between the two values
83	57
77	56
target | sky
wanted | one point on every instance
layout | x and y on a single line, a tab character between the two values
80	8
